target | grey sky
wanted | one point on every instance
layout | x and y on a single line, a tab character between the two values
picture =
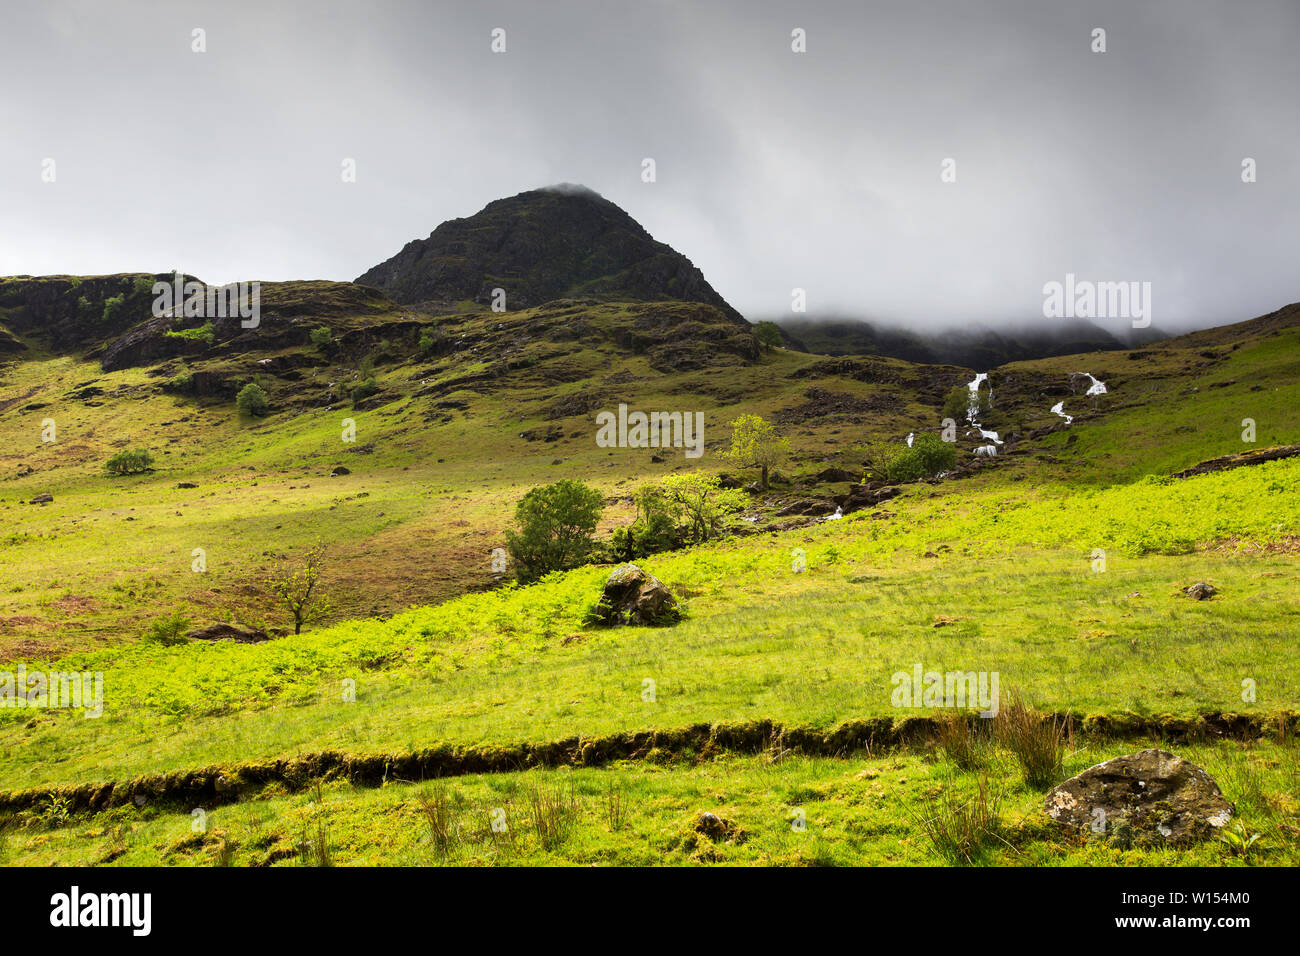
775	169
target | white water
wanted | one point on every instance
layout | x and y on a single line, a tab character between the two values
973	409
910	436
1096	388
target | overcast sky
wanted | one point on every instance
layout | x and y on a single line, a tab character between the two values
775	169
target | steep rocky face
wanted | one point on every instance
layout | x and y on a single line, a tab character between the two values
542	245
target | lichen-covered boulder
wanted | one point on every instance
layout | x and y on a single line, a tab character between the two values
1148	798
631	596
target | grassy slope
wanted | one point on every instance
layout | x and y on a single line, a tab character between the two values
761	641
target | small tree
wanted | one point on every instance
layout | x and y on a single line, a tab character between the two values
321	337
556	523
928	456
133	462
297	590
252	400
703	502
755	443
655	527
169	630
768	335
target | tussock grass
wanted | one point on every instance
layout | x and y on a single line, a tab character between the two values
1039	742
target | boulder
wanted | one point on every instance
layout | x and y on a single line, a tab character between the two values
1201	591
340	470
42	499
631	596
1151	798
833	473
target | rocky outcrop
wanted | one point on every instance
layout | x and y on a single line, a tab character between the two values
631	596
1150	798
1240	461
227	632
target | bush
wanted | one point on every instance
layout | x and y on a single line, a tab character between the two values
112	306
169	630
252	400
204	333
322	338
429	339
928	456
364	389
654	530
702	502
144	285
133	462
556	523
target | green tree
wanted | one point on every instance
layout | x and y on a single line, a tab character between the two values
768	335
321	337
133	462
297	588
556	523
702	502
653	530
169	630
755	443
112	306
928	456
252	400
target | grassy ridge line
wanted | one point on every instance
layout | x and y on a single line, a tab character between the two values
214	786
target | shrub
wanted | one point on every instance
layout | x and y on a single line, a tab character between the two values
204	333
252	400
321	337
928	456
133	462
653	530
168	631
702	502
556	523
364	389
144	285
429	339
112	306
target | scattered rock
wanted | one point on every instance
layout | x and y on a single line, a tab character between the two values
186	484
1151	797
340	470
1201	591
631	596
42	499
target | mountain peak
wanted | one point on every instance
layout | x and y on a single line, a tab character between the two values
555	242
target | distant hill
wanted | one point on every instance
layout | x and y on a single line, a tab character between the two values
560	242
976	346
